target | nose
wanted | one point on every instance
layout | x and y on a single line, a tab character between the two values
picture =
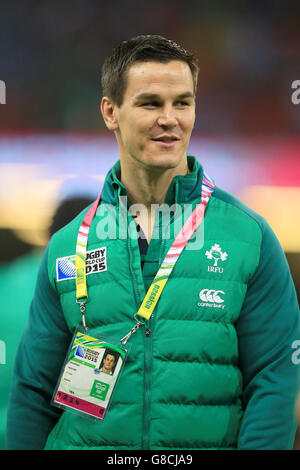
167	118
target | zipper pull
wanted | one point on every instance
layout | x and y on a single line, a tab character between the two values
147	329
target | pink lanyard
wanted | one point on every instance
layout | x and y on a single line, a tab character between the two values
167	266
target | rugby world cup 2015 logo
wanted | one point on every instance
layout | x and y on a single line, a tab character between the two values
65	268
95	263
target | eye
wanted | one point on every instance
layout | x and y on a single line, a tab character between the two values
150	104
182	103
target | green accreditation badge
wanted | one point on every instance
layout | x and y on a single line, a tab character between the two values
89	375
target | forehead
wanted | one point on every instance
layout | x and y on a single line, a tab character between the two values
109	356
157	77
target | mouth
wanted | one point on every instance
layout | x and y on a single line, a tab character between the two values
166	140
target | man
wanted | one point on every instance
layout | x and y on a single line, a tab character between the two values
211	368
109	361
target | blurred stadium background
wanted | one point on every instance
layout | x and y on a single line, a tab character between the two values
54	145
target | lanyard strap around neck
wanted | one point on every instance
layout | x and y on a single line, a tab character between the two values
167	266
80	257
171	258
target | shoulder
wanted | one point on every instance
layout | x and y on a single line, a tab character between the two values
66	233
236	205
246	225
251	226
241	216
63	242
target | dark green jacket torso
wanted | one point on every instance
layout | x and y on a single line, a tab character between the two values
216	370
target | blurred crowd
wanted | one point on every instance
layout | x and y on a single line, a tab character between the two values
51	53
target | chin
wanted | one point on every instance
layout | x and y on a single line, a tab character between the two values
163	161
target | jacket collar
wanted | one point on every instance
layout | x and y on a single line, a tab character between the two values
183	188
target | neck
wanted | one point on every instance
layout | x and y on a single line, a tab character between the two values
149	186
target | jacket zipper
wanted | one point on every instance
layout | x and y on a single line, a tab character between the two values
138	302
149	328
147	383
147	359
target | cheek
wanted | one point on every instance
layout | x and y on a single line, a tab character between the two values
188	120
189	123
135	129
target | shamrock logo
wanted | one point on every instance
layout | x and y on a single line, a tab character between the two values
216	253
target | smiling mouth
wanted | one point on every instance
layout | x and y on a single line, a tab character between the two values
166	141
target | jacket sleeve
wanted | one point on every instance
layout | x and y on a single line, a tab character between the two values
38	362
268	329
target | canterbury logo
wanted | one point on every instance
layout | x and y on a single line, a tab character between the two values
211	295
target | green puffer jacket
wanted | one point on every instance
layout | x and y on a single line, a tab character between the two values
212	367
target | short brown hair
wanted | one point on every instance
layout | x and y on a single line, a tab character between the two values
144	48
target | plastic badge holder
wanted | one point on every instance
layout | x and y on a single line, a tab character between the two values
90	374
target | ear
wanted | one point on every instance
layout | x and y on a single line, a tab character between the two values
109	114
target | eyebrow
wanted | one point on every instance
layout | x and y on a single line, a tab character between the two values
154	96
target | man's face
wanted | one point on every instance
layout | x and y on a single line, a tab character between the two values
155	121
108	363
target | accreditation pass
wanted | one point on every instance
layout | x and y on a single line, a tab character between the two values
89	375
